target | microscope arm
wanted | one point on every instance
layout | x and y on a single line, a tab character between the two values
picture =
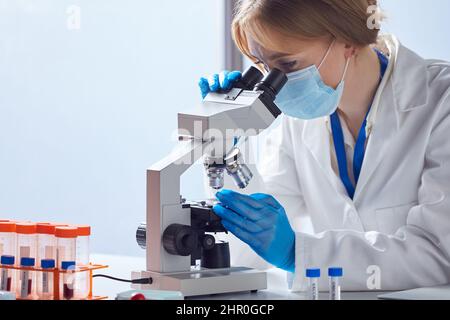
164	202
169	169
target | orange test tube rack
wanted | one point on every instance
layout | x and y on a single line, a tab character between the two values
90	268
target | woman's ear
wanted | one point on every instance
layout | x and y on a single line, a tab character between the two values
350	51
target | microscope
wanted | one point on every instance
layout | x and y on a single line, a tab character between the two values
179	236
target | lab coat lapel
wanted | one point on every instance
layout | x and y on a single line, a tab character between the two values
317	140
405	90
379	141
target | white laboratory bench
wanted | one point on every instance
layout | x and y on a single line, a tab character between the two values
121	267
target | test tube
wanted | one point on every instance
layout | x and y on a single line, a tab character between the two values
334	275
27	277
46	241
84	232
67	287
7	275
45	282
66	238
26	240
7	238
313	276
82	282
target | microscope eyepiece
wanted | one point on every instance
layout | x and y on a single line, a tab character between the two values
250	78
272	83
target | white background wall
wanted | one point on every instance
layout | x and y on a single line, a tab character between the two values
84	112
420	25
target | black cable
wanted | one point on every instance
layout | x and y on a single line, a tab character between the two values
134	281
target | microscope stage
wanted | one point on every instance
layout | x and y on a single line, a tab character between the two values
205	281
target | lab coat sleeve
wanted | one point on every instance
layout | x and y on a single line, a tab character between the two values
417	255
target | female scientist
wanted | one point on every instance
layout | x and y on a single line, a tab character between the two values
363	148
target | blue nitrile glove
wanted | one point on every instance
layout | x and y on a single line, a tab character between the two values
223	81
260	221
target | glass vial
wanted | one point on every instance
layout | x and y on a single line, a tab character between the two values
66	238
45	279
334	275
313	276
67	282
84	233
46	241
26	240
27	278
7	238
82	252
7	276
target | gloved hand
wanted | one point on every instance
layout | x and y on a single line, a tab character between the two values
261	222
223	81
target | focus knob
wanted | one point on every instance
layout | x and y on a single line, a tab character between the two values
180	240
208	242
141	235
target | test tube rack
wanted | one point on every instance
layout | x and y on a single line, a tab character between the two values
90	268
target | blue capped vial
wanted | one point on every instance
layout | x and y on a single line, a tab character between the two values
313	276
67	287
7	275
27	277
334	275
45	281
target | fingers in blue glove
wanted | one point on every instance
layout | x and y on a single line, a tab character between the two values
234	76
224	81
243	223
214	84
240	233
268	199
242	204
261	222
228	79
204	87
249	238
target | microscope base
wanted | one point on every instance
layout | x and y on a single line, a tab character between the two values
205	281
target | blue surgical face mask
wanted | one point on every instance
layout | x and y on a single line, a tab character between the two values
306	96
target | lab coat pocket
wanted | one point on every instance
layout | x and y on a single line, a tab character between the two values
389	220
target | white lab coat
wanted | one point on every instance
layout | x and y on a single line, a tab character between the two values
399	221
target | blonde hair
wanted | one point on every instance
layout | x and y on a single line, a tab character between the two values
345	20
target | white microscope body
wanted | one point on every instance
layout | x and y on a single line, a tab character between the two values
176	233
